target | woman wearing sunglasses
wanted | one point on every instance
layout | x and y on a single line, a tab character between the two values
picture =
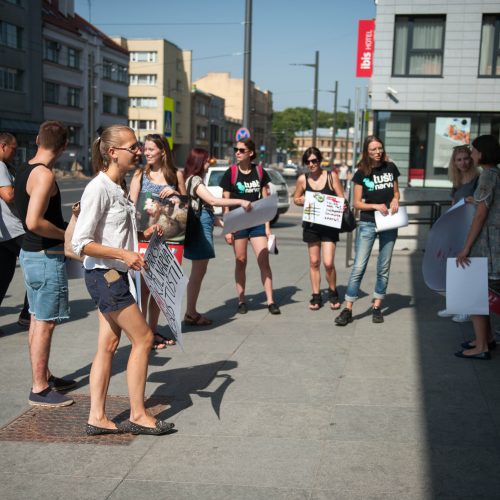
321	240
250	183
106	235
375	188
160	176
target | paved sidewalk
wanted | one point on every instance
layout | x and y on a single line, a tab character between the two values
277	407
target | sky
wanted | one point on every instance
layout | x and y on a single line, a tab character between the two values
283	33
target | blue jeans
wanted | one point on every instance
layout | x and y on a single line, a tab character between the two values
365	238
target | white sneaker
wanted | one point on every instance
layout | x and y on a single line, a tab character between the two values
444	314
460	318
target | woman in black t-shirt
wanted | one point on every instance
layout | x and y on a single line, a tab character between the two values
375	188
248	181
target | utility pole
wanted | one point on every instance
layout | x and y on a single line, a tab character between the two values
315	106
247	64
315	99
347	132
334	123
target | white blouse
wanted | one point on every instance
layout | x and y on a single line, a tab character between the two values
107	216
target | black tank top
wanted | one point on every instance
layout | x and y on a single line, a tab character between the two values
33	242
326	189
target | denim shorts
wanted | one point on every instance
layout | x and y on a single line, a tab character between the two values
203	247
250	232
46	284
108	297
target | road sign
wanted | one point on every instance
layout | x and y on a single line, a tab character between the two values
242	133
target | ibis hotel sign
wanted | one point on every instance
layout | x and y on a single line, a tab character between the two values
366	41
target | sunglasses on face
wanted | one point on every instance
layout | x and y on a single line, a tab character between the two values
314	162
241	150
132	149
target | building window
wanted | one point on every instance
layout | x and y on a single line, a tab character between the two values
122	74
143	102
178	86
142	124
418	46
143	56
121	107
10	35
177	106
142	79
51	92
73	58
107	104
11	79
52	50
489	58
107	69
201	132
178	129
74	135
74	97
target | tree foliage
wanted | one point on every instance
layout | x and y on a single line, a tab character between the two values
291	120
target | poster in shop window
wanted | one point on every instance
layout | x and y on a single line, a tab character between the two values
450	132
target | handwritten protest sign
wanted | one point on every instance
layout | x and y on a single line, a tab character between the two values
323	209
166	282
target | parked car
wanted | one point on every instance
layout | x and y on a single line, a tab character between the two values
291	170
277	185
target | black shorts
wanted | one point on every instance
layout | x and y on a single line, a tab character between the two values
316	233
108	297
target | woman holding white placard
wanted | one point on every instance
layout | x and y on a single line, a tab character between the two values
483	239
321	240
375	189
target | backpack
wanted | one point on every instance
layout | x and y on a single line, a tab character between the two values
234	173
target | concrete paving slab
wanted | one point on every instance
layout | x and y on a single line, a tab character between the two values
232	460
131	490
15	486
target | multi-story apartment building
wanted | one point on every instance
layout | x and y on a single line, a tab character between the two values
261	106
85	80
21	71
160	91
208	123
343	145
436	81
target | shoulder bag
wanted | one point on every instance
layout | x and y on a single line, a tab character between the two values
193	224
348	219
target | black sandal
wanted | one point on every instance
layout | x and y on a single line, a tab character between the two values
333	298
315	303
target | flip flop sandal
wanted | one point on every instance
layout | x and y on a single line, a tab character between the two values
164	340
315	303
197	320
333	298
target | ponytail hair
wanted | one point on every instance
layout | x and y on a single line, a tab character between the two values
110	137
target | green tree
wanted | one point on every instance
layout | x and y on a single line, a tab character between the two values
291	120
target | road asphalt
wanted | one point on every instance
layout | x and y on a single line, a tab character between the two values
275	407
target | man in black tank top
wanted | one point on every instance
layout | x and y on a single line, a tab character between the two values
38	201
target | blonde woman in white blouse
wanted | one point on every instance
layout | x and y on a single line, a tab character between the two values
106	235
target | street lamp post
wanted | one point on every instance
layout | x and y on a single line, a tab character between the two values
315	99
247	64
348	107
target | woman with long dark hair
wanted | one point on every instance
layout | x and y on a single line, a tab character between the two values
160	176
375	188
247	181
200	248
106	235
483	239
321	240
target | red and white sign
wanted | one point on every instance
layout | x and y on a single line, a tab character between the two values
177	250
366	43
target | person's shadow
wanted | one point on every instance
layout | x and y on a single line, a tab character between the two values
180	384
227	312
